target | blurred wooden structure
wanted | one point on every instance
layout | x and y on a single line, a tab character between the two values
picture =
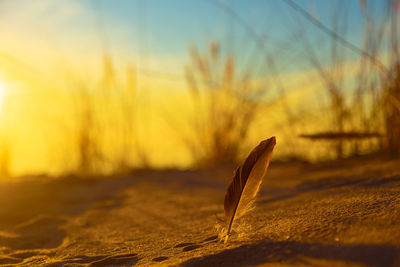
341	137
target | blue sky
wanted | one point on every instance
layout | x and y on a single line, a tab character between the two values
168	27
160	31
171	24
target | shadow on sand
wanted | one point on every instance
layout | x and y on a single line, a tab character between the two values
298	252
329	183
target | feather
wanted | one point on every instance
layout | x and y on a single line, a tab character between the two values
246	182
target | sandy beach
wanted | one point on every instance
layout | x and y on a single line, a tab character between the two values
344	213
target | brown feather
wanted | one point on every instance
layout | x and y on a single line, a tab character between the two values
247	180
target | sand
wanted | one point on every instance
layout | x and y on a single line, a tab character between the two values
344	213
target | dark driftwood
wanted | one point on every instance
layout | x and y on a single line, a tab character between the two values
340	135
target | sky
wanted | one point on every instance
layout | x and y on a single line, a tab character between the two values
157	33
51	48
169	25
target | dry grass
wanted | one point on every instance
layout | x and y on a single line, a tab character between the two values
370	104
93	103
224	105
391	105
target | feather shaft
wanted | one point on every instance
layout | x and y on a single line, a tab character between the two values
246	182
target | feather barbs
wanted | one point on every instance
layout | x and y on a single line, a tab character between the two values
246	182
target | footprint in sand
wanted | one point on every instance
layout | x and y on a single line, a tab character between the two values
191	247
160	259
188	246
211	238
183	245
